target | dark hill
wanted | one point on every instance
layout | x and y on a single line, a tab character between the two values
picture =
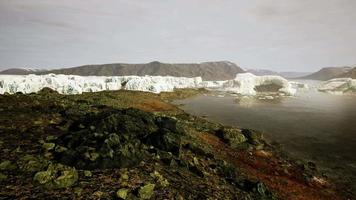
350	74
221	70
327	73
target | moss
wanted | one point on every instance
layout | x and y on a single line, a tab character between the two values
31	163
48	146
87	173
3	177
122	193
232	136
7	166
147	191
56	176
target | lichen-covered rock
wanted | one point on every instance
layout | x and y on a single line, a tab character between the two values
165	140
160	179
7	165
253	136
88	173
146	192
122	193
256	189
234	137
48	146
56	176
31	163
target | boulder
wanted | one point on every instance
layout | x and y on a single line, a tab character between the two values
146	192
56	176
122	193
234	137
253	136
31	163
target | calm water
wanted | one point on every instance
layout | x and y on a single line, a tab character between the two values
312	126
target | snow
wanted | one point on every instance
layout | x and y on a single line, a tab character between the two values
71	84
338	86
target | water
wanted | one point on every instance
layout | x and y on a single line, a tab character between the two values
312	126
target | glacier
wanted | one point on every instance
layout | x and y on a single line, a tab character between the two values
338	86
243	84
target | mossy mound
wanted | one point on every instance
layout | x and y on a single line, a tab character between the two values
232	136
119	138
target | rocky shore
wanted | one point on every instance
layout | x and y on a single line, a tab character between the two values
136	145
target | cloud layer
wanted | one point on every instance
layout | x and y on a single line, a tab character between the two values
299	35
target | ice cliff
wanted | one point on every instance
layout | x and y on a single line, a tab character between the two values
71	84
338	86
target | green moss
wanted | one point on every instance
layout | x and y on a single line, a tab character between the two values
48	146
7	166
87	173
146	192
56	176
122	193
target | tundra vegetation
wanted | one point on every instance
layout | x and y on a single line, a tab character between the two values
137	145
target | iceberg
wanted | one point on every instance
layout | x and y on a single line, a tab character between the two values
244	84
247	83
338	86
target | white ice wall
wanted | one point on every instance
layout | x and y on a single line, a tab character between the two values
71	84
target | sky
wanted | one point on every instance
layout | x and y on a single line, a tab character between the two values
281	35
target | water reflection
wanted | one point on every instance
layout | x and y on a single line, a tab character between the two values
313	125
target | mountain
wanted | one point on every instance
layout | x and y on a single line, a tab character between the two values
21	71
222	70
262	72
328	73
349	74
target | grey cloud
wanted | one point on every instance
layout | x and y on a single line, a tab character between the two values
277	34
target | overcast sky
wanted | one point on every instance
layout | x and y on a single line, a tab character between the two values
297	35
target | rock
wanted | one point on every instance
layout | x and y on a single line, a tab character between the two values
48	146
227	170
3	177
160	179
122	193
56	176
78	191
146	191
258	189
116	141
124	176
252	136
87	173
99	194
234	137
51	138
7	166
60	149
31	163
166	141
